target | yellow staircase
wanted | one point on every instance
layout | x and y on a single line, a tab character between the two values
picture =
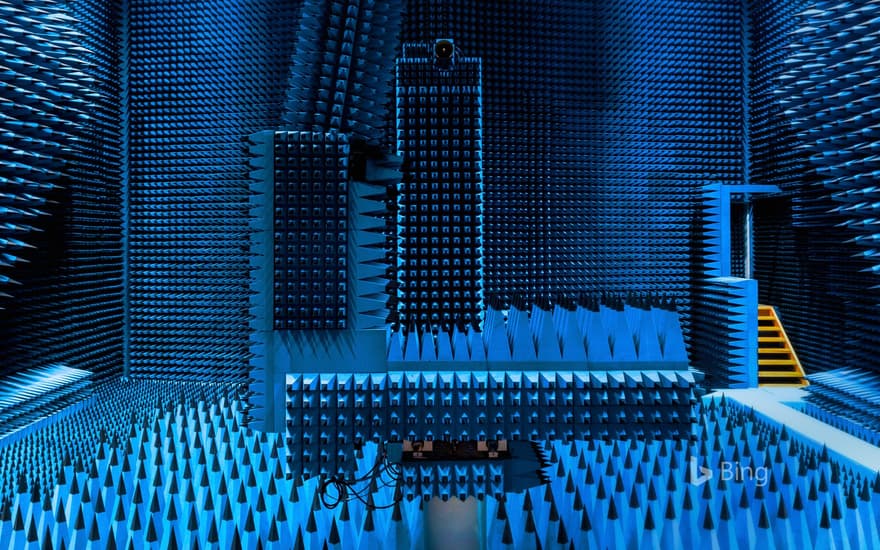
778	365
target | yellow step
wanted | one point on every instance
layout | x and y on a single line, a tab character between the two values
776	363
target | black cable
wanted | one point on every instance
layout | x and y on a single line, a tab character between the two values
347	489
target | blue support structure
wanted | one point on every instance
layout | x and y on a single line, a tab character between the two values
725	343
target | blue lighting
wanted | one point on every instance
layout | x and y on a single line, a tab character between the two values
405	274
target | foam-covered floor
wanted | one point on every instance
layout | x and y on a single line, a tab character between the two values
190	476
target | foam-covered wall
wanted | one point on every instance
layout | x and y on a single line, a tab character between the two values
204	78
342	66
558	219
812	97
60	192
601	122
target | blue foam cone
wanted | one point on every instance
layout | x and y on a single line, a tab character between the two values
650	532
843	539
726	527
746	523
870	521
801	529
671	534
854	528
615	532
823	538
369	537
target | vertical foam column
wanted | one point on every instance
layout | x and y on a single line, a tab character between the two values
439	133
641	105
368	264
725	313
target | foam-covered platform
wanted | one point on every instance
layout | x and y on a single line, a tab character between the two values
330	415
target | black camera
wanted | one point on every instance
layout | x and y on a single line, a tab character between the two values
444	49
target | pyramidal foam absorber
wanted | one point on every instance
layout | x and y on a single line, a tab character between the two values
849	399
625	338
188	212
342	67
30	395
329	415
327	222
828	92
60	215
37	456
310	230
774	155
191	474
45	103
440	196
724	342
654	88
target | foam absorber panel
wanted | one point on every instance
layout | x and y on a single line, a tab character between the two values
318	251
41	455
341	79
28	396
342	67
654	88
725	346
791	272
330	415
310	237
192	475
774	155
767	487
188	211
605	338
826	91
60	182
440	197
848	398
